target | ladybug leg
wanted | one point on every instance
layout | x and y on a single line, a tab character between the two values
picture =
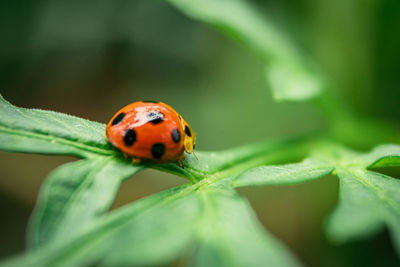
180	160
136	160
181	163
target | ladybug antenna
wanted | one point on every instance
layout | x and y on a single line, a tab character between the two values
194	153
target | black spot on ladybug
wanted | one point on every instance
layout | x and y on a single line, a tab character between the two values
157	150
151	101
176	135
155	117
187	131
118	119
130	137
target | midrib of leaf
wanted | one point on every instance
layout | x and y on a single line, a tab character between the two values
55	139
382	196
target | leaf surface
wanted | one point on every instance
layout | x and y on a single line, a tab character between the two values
207	219
96	240
230	234
290	74
384	156
73	194
158	229
283	174
367	201
48	132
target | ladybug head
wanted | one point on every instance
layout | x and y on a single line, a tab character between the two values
189	140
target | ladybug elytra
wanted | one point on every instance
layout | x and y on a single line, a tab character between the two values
150	130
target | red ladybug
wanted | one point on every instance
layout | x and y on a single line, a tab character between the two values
151	131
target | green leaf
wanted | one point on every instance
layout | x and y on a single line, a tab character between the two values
47	132
307	170
292	81
158	229
101	239
384	156
291	76
71	225
73	194
156	236
230	234
233	161
367	201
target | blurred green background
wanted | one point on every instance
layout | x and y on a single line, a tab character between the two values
90	58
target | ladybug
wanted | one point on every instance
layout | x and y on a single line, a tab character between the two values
151	131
